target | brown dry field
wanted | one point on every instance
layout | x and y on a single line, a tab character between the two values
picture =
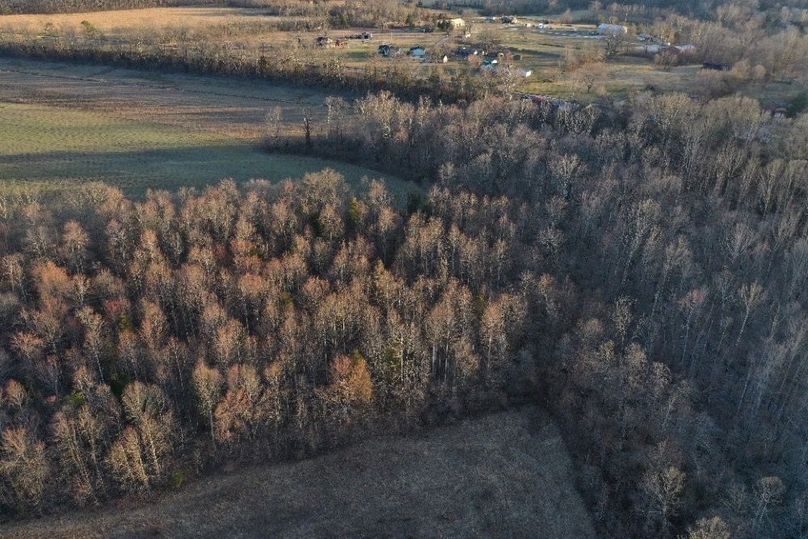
113	22
502	475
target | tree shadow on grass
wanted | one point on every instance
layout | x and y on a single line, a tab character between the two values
171	168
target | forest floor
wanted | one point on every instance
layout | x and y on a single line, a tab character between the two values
503	475
63	124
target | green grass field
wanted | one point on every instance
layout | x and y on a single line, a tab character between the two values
46	147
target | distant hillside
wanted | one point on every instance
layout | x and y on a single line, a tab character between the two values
503	475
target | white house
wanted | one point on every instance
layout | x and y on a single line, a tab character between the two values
612	29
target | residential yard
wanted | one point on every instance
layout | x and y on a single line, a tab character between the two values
502	475
62	124
248	34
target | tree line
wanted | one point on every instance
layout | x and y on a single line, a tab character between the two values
205	52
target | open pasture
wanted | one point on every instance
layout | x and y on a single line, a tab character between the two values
62	124
236	109
52	147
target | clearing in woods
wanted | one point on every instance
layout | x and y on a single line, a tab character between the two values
61	124
502	475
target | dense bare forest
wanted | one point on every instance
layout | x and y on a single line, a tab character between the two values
679	364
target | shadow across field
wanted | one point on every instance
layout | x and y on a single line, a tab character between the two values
136	171
503	475
56	147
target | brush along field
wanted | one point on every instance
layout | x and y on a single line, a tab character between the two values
62	124
502	475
